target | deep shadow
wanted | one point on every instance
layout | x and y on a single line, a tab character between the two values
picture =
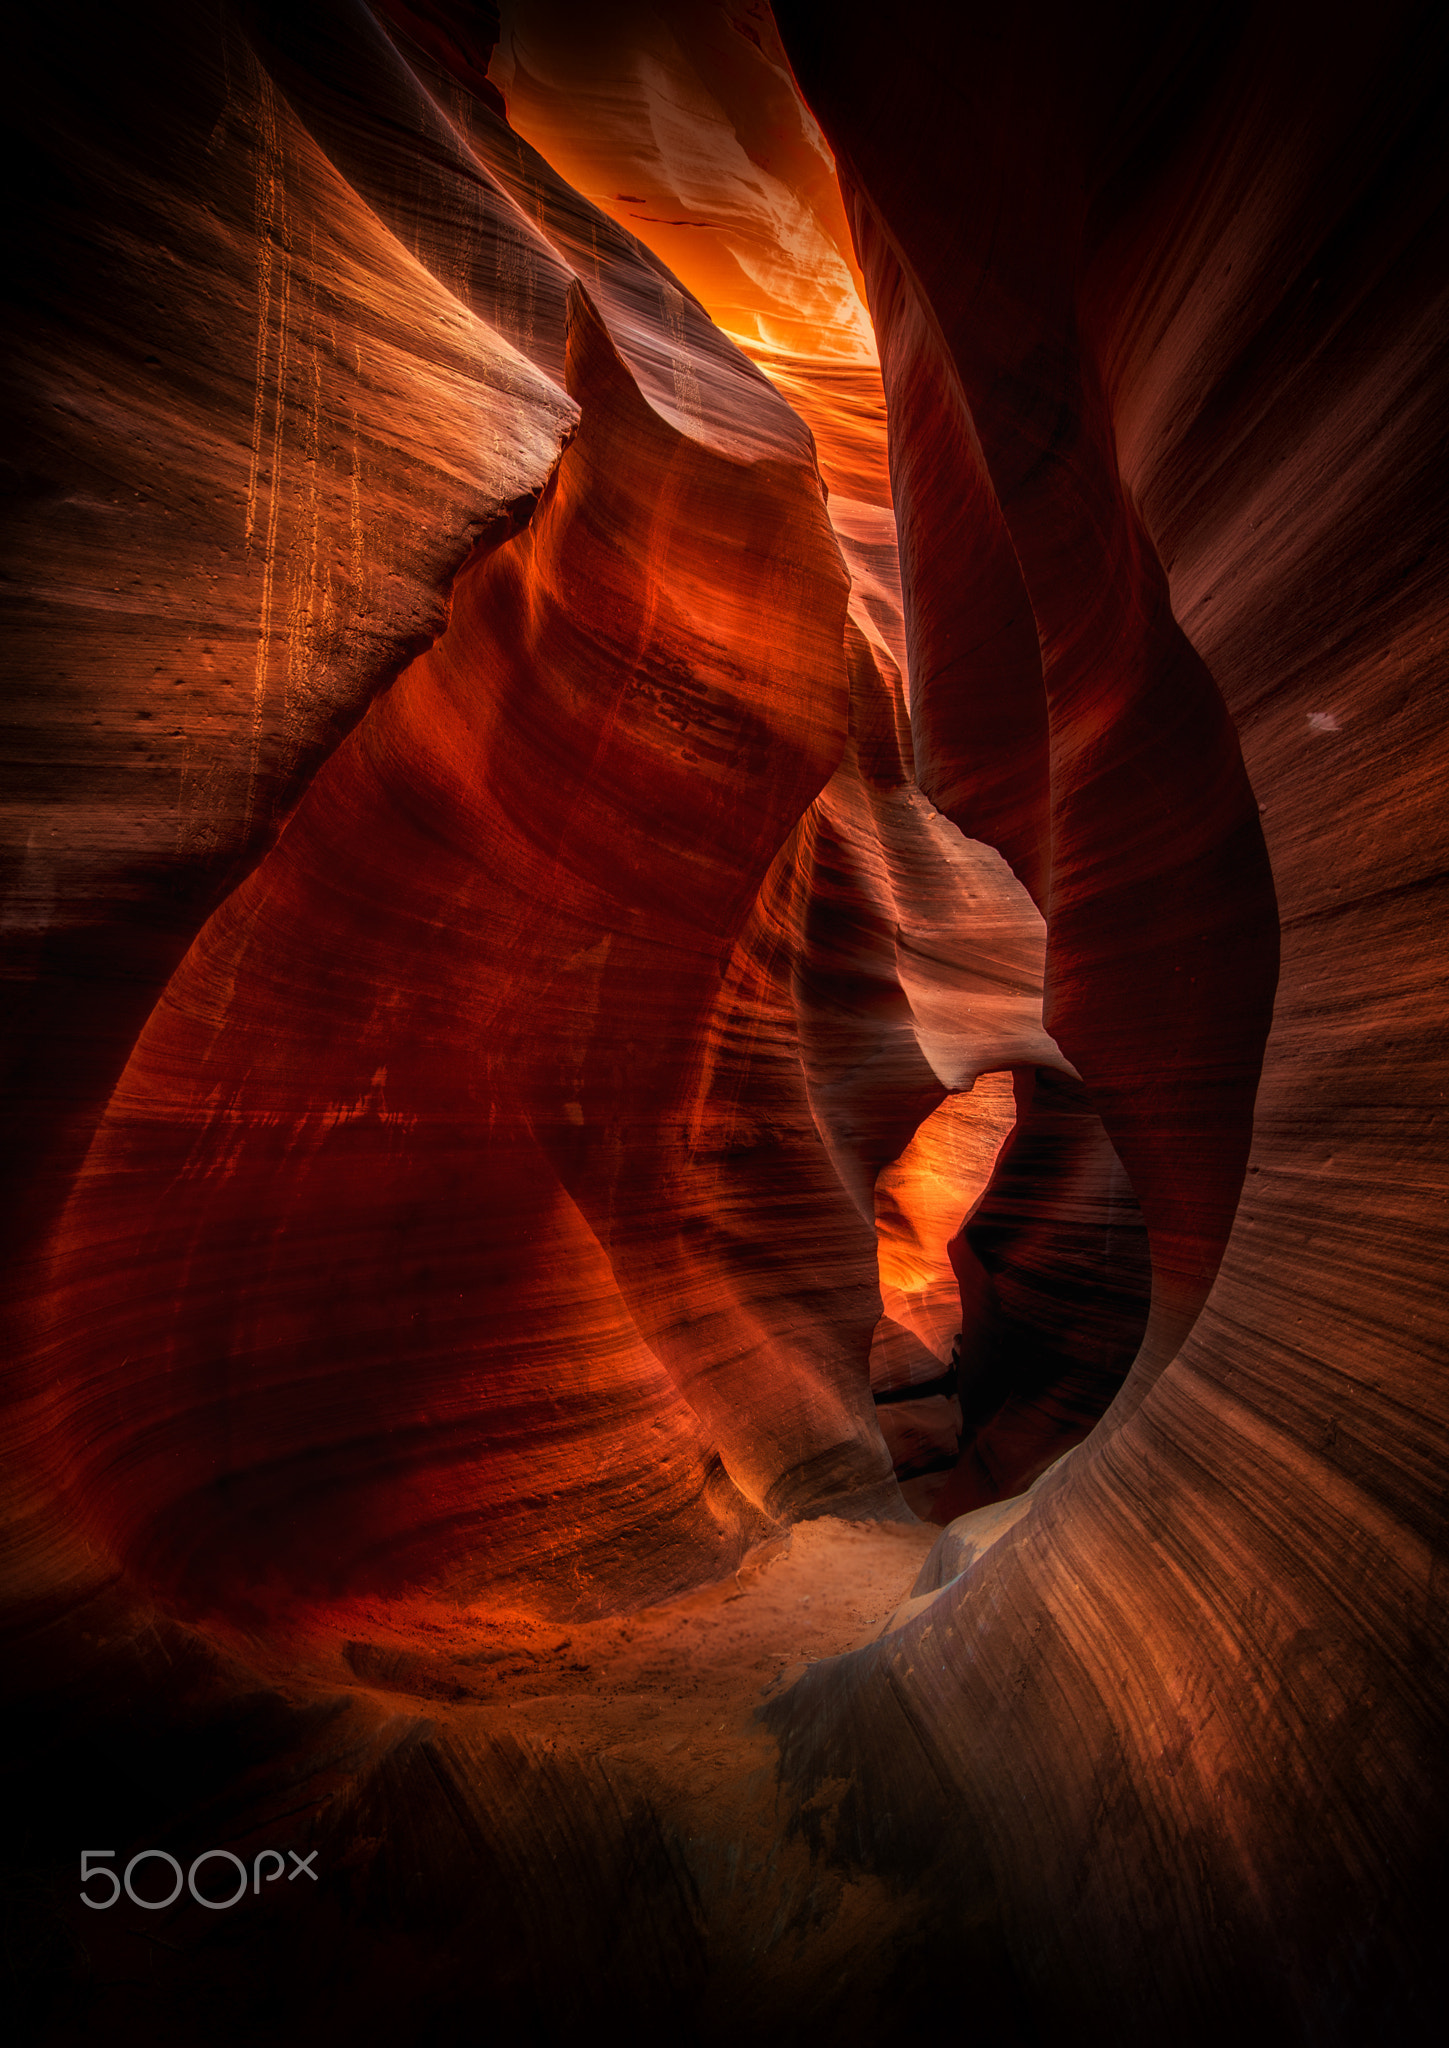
1056	1280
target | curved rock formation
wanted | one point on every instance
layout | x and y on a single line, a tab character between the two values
1055	1285
352	1144
638	1045
352	1085
1184	1706
682	124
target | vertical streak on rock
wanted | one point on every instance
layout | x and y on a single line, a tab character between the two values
686	384
273	245
356	532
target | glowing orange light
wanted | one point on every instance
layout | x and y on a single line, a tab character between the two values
920	1202
691	135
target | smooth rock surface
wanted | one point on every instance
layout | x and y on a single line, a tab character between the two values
1189	1710
622	966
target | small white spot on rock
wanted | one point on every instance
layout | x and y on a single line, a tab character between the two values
1322	721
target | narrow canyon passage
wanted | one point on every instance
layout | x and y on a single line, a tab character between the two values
725	1175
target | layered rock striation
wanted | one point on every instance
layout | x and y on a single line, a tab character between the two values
657	1004
1180	1710
489	1202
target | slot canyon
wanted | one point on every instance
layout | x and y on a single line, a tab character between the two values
725	1084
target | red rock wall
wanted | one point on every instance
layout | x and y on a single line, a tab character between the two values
1166	291
390	1195
461	1216
1055	1286
465	1058
252	430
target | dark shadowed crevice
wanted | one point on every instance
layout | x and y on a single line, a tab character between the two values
1056	1284
1055	1279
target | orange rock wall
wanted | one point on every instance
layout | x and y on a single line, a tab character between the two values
1169	287
477	1060
389	1262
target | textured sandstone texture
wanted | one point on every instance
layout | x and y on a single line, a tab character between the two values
252	429
682	123
1183	1719
489	1201
551	1023
437	1014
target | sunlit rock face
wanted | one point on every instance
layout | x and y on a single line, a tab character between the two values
489	1204
391	1262
1157	305
683	124
358	1133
